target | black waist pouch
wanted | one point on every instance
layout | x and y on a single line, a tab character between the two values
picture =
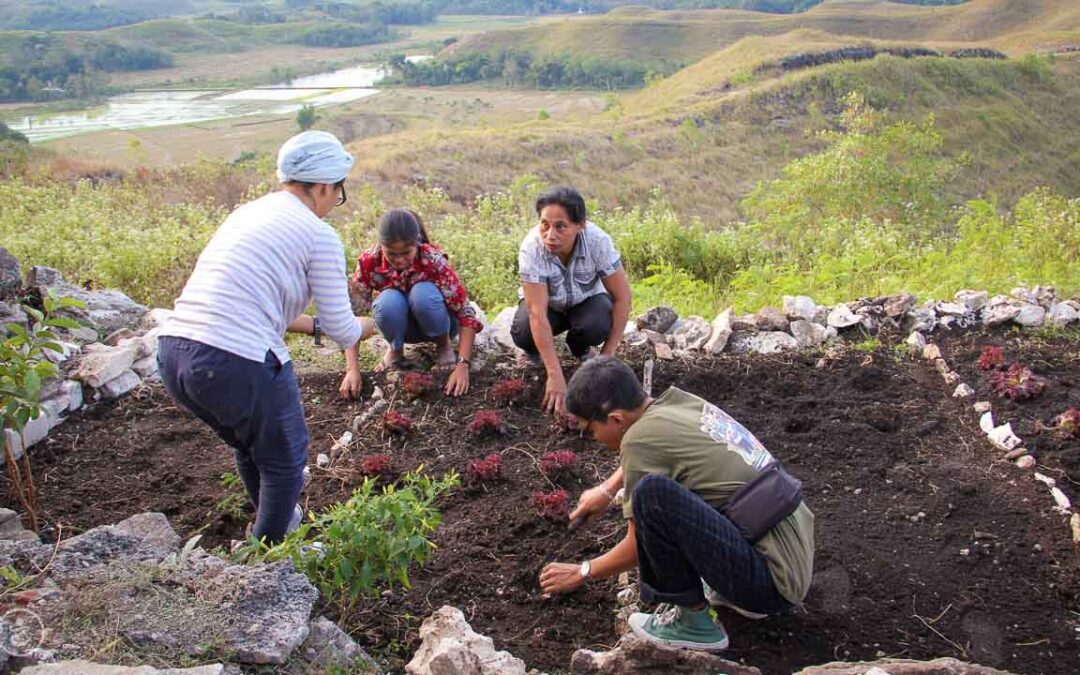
763	502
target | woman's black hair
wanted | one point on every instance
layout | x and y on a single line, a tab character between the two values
603	384
402	225
566	197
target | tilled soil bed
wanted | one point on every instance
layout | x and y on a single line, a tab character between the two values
929	543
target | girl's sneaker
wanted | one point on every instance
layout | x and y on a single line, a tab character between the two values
717	600
675	626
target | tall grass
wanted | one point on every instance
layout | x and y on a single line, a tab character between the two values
864	216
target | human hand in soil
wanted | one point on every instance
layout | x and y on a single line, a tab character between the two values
555	393
458	382
560	577
593	502
351	383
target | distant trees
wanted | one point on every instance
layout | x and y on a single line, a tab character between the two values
344	35
40	67
516	68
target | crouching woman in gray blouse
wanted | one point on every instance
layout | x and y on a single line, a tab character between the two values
572	281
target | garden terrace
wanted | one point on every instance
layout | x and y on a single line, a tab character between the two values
929	542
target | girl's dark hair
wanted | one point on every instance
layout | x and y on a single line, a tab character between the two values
566	197
402	225
603	384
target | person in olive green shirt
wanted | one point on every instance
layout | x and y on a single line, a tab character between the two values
681	460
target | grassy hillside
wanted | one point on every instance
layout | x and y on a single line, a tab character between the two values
686	36
707	135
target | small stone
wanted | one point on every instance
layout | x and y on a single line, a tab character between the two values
659	319
798	307
809	334
771	319
951	377
963	391
1026	462
664	351
931	352
1037	548
916	341
118	386
1030	316
922	320
322	460
842	317
721	332
982	407
972	300
1063	313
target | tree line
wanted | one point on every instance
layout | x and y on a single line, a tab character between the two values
517	68
41	67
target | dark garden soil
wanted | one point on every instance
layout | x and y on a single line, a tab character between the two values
929	544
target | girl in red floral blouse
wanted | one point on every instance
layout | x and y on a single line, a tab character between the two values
415	296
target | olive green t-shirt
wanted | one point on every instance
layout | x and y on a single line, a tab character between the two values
695	443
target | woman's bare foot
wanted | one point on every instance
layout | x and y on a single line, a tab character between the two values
445	355
391	360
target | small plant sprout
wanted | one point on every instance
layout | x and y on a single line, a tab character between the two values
416	384
508	392
564	424
485	470
551	505
559	463
485	423
1017	383
991	358
397	423
375	465
1068	423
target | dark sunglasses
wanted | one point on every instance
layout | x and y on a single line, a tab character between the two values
344	197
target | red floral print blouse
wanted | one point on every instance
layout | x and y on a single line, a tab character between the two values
374	275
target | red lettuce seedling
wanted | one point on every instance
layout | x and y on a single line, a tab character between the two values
416	384
559	463
564	424
485	423
397	423
485	470
375	465
551	505
1068	423
1017	383
508	392
990	358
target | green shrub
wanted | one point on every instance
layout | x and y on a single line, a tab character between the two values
366	544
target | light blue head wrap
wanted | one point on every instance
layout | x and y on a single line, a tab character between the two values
313	157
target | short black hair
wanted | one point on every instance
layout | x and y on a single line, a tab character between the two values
566	197
601	385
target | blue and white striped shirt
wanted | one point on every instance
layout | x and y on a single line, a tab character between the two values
258	273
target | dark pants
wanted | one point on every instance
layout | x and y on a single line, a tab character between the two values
682	540
255	408
586	324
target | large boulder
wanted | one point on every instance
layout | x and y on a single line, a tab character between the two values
449	646
634	656
809	334
1063	313
771	319
500	328
106	311
1000	310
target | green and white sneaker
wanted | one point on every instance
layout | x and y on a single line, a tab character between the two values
676	626
717	600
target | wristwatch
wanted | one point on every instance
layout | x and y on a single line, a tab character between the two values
586	569
316	331
462	359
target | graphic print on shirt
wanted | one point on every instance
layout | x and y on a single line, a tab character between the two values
723	428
